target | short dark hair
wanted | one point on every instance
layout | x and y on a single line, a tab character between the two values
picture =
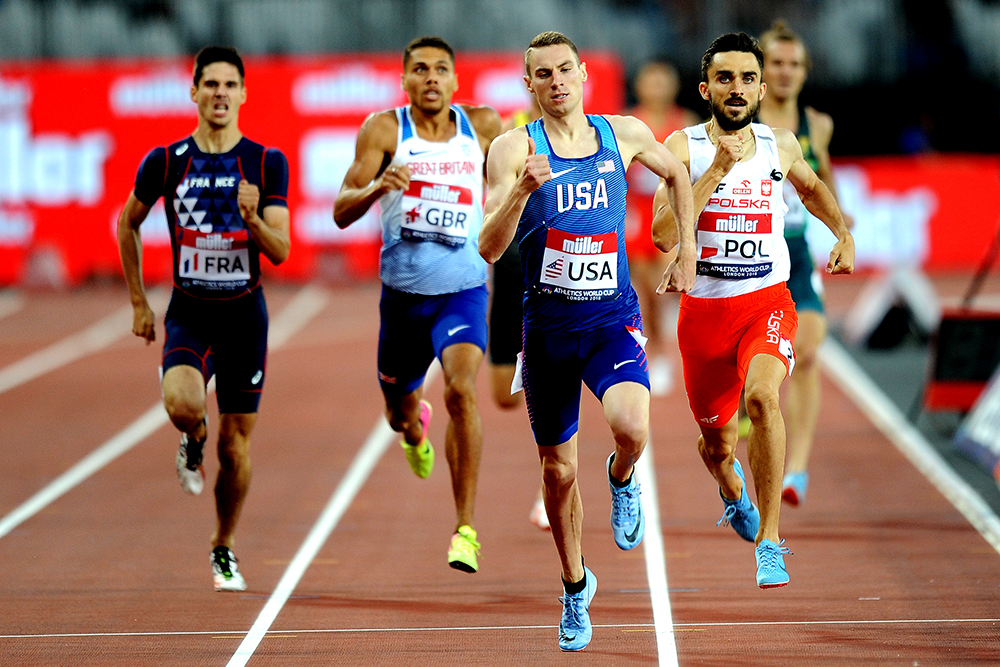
427	42
733	41
216	54
780	32
549	38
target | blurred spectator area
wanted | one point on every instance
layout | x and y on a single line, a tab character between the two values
895	74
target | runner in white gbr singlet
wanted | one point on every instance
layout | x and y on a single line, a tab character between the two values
740	233
430	230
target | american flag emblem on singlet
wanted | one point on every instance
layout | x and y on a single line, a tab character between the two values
554	270
605	166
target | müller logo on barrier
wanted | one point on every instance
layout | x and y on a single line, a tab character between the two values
51	169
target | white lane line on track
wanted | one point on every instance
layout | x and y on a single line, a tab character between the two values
75	346
364	462
500	628
656	562
884	414
306	304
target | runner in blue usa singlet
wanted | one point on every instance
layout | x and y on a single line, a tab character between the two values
571	237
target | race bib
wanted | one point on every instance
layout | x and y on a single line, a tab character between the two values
734	246
580	268
437	212
214	260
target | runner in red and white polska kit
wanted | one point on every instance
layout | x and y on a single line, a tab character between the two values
737	324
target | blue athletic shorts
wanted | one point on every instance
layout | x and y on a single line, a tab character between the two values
804	281
416	328
556	363
226	338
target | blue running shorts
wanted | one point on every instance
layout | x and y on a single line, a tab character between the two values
416	328
226	338
556	363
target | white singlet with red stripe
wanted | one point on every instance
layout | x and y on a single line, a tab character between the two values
740	233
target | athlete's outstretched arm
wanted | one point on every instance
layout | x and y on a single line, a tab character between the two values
130	251
675	187
513	171
819	201
363	184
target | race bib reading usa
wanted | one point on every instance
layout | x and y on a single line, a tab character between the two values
580	268
436	212
219	260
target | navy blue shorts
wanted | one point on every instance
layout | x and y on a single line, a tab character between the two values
804	282
416	328
226	338
556	363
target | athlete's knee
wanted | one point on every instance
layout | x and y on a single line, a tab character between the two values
630	431
185	411
460	395
716	444
762	403
558	473
234	451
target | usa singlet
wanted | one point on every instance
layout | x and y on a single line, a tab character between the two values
740	233
571	236
430	232
214	255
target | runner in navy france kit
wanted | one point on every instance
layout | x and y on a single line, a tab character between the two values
225	203
214	256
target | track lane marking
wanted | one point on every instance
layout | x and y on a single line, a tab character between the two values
627	627
656	562
357	474
887	418
94	338
305	305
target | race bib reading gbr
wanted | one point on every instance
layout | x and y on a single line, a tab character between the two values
580	268
215	261
436	212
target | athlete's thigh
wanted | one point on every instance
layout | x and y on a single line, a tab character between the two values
551	374
239	349
460	318
615	354
186	340
707	341
404	342
770	329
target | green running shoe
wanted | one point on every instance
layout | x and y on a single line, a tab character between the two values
464	549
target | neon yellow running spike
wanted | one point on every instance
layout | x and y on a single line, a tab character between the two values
464	549
421	457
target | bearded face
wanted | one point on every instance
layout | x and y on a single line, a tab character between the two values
734	112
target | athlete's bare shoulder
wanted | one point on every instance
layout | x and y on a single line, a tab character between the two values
485	119
677	143
820	126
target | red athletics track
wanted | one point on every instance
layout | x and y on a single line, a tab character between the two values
115	571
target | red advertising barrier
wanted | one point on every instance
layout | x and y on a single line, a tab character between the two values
73	134
932	211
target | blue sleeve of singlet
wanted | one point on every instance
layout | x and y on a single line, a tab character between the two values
275	178
151	176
